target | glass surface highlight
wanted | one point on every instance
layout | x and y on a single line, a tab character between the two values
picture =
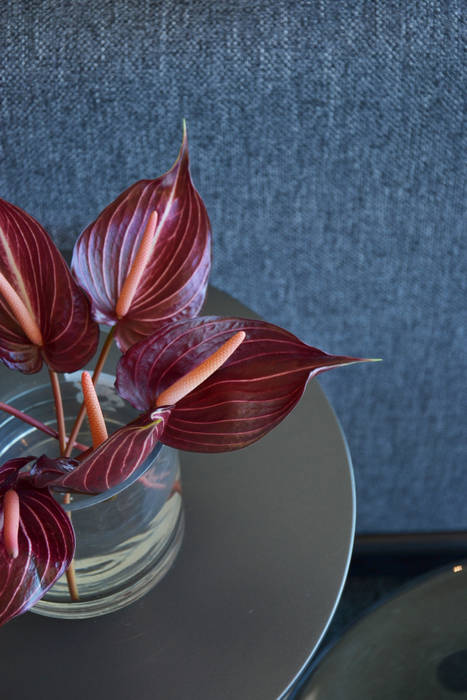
127	537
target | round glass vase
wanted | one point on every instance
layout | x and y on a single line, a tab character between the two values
126	538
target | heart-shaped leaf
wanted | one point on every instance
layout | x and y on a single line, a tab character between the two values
35	269
174	281
114	461
250	394
46	546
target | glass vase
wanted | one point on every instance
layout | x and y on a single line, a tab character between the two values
126	538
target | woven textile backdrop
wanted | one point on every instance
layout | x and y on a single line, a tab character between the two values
326	140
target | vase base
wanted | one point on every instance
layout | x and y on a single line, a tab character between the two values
113	601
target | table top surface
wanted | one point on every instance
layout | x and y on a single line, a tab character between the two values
269	533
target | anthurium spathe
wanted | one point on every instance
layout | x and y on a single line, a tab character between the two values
36	288
177	261
244	399
114	461
37	542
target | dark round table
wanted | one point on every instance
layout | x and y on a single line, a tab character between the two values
269	533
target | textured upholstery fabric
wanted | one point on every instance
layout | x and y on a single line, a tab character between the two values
326	139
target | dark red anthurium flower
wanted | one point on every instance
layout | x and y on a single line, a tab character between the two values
37	542
114	461
177	260
38	292
244	399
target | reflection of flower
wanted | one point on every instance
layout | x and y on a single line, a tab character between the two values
155	481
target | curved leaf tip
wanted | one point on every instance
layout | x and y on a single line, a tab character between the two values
174	281
244	399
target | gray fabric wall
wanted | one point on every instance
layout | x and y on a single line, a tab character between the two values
326	139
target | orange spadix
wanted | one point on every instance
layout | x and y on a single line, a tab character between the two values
93	409
196	376
142	256
20	312
11	522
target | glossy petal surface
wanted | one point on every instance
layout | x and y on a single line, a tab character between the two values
255	389
175	278
34	267
111	463
9	472
46	546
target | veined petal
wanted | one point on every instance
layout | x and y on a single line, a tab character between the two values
46	546
250	394
9	472
114	461
175	277
35	269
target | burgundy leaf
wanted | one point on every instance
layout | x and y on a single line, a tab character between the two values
175	278
34	267
46	547
112	462
46	469
9	471
255	389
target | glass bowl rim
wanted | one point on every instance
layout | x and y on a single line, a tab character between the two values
80	501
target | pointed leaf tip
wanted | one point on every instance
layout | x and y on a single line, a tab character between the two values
184	134
175	276
238	404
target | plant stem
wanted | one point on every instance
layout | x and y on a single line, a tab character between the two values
35	423
82	412
58	410
70	572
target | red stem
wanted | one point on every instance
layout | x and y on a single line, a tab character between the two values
36	423
70	572
58	410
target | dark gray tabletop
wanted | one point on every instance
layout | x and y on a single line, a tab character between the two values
269	532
